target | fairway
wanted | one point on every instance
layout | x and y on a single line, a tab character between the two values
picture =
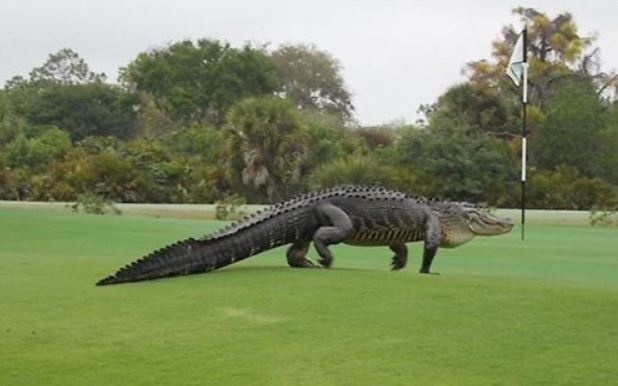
502	312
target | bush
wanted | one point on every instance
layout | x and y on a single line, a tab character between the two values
564	188
469	168
230	208
40	150
94	204
201	141
603	217
204	182
9	183
361	170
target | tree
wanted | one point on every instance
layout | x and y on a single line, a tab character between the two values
65	67
326	139
571	132
556	50
377	137
474	168
488	102
609	145
312	80
199	82
567	99
11	124
264	145
65	76
84	109
151	121
466	109
201	141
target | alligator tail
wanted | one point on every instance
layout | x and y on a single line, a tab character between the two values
235	243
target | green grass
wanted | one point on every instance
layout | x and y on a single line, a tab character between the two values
503	311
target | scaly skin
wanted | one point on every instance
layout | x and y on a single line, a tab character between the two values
356	215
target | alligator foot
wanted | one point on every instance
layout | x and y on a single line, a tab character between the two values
397	264
303	263
296	255
429	273
401	256
325	262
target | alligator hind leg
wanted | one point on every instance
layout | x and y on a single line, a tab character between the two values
336	226
296	255
401	256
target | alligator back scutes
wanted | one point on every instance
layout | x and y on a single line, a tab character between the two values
307	200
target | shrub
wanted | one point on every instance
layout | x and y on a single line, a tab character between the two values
9	189
564	188
230	208
356	169
48	145
94	204
603	217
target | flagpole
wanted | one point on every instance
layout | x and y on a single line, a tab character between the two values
524	131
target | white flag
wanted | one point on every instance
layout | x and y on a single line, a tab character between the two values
515	69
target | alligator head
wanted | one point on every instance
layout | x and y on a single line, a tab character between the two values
461	222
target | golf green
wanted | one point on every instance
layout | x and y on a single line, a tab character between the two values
543	311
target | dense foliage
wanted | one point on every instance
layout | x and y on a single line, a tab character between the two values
204	121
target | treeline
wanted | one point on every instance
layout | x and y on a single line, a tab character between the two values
202	121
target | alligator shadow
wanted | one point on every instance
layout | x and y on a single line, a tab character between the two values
251	269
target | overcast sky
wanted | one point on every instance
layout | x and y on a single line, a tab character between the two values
396	54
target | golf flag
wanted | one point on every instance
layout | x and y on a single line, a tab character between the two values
515	69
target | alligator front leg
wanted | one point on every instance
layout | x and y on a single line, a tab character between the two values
428	255
401	256
433	235
336	226
297	255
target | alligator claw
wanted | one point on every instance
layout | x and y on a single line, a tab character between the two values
397	265
310	264
303	263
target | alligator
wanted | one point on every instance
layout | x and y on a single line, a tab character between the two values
356	215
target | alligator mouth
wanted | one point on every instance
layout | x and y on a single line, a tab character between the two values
506	223
488	225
